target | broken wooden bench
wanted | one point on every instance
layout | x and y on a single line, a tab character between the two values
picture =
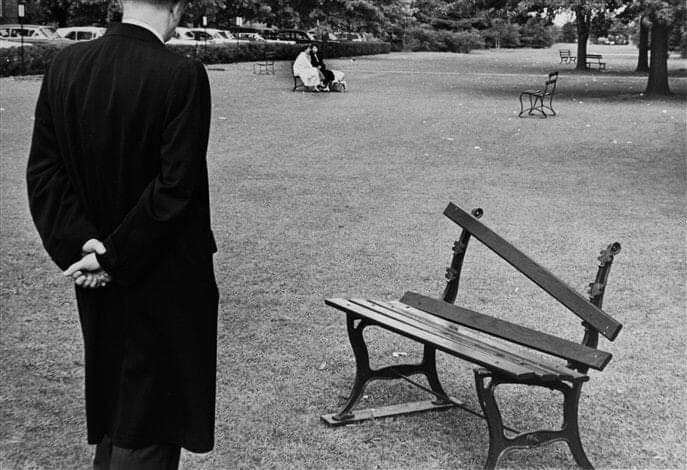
506	353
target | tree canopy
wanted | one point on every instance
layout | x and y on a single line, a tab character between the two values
508	22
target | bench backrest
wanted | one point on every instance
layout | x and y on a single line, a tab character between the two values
580	355
551	81
564	52
594	56
590	312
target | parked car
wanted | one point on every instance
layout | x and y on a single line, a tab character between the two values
81	33
351	37
182	37
192	37
612	39
4	44
31	33
216	36
250	37
324	35
254	34
618	39
295	35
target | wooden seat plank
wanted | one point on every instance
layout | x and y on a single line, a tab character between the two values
518	334
588	312
542	360
463	351
545	368
498	354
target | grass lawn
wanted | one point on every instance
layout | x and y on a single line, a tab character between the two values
323	195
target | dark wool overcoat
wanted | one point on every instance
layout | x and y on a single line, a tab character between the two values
119	154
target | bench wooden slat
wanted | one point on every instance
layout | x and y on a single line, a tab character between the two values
541	359
463	351
518	334
593	315
546	367
498	353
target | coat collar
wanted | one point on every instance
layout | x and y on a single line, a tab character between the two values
133	31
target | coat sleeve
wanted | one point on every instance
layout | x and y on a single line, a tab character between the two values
59	216
133	245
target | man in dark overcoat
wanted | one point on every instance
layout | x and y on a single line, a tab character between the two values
118	189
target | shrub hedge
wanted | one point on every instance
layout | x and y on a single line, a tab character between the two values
38	57
536	34
502	35
425	39
251	51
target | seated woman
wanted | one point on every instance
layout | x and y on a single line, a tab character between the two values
326	75
303	69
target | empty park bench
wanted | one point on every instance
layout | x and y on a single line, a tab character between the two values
567	57
266	65
505	352
595	60
538	99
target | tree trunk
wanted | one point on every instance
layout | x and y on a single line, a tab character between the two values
583	20
658	66
643	59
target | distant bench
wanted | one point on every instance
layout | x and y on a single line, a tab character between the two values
537	98
567	57
265	66
595	59
514	358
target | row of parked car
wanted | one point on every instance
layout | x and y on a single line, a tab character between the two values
10	34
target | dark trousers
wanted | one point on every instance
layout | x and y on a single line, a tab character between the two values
155	457
328	76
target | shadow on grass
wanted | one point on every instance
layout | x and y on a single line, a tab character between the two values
620	87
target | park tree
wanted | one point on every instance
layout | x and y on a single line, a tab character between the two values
600	24
634	12
584	12
663	15
643	45
569	32
51	11
72	12
196	9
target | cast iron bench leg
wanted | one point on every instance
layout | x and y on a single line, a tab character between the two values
540	108
365	374
522	106
550	106
429	364
499	444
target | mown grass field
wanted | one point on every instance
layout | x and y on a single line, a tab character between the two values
323	195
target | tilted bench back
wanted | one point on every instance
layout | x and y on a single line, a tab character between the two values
591	314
